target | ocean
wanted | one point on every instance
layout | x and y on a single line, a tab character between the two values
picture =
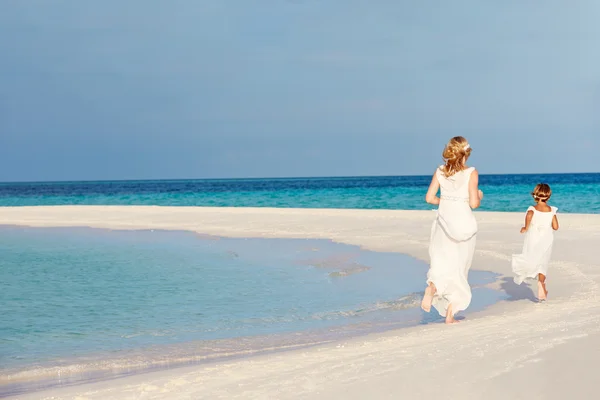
84	304
573	193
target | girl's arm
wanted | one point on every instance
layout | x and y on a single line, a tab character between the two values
434	186
555	222
475	195
528	218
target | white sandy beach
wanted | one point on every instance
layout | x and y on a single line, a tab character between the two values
517	349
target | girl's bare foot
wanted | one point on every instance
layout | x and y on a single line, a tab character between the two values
428	298
450	316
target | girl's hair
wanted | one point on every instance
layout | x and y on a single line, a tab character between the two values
542	192
455	155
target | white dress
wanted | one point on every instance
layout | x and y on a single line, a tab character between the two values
537	248
452	243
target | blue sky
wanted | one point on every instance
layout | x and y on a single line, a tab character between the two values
140	89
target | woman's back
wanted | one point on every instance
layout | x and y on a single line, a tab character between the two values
455	186
454	192
454	212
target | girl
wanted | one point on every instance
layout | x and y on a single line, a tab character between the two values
540	222
453	233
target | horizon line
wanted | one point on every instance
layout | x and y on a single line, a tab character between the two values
275	178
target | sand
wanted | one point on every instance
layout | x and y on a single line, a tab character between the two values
512	350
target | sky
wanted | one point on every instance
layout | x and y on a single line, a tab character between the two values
154	89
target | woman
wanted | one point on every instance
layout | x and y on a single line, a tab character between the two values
454	231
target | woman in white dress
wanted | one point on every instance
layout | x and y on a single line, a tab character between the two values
454	231
540	223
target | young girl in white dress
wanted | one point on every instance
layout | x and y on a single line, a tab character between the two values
540	223
453	232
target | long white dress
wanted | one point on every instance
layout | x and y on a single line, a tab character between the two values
537	247
452	244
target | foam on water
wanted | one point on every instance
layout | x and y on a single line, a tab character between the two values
84	304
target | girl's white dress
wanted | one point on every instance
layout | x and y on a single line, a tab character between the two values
537	248
452	243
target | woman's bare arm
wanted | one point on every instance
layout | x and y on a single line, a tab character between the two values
431	196
475	195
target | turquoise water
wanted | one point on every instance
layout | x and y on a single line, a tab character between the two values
575	193
86	301
83	304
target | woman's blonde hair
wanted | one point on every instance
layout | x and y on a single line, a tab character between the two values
455	155
542	192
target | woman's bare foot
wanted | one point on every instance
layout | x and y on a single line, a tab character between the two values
542	291
428	298
450	316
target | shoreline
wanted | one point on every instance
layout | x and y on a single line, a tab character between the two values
370	364
386	314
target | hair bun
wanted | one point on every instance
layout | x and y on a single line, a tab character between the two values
455	154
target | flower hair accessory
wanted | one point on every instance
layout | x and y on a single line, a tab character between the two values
467	147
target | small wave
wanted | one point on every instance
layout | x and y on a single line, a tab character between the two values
406	302
344	264
335	261
354	269
233	254
409	301
160	333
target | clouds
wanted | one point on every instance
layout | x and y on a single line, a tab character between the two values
260	89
